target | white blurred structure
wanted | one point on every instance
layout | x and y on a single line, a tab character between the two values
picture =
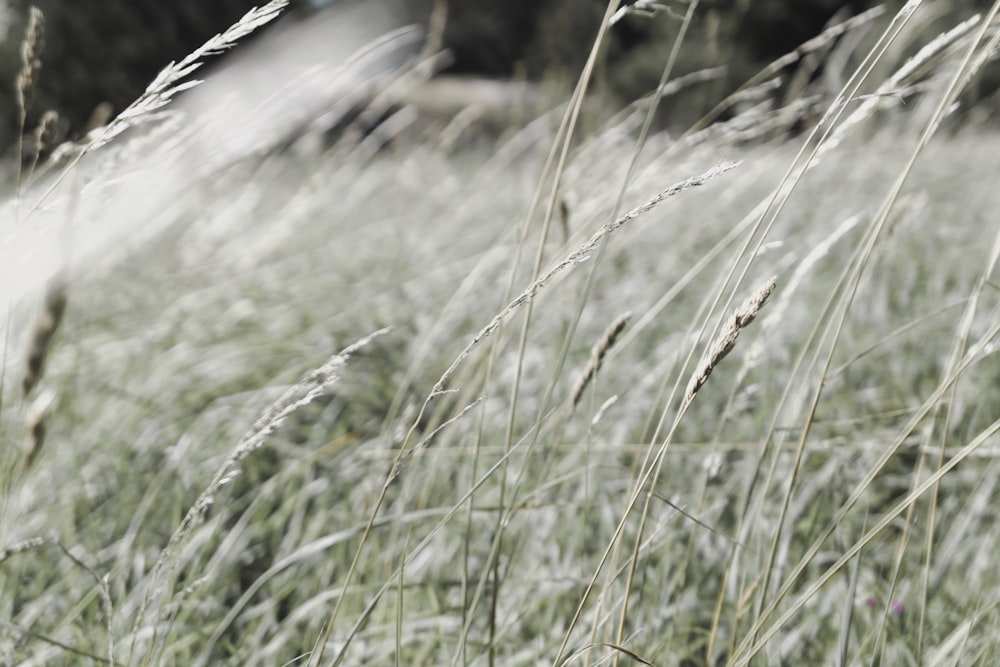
121	195
304	75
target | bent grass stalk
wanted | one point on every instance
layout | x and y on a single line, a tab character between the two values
748	653
724	342
641	140
748	312
836	328
773	206
964	331
767	212
579	255
311	386
828	36
563	142
556	165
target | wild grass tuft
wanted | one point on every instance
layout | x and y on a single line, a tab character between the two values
432	495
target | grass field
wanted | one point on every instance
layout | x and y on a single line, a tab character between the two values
326	407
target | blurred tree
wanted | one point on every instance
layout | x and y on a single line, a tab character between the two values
490	37
100	51
105	51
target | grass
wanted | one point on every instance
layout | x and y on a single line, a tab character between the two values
449	492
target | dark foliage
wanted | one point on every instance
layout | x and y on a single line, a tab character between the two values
100	51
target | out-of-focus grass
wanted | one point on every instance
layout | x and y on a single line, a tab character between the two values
163	363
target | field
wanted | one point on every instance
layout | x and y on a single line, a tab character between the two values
388	396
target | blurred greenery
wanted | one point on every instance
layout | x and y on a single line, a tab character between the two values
99	51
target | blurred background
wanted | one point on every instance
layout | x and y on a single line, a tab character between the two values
106	51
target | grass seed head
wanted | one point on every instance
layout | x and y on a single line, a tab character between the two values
31	63
727	338
41	333
45	132
597	353
34	429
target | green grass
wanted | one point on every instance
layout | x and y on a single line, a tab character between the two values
506	499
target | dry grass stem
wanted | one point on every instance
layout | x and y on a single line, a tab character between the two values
578	256
310	387
598	352
34	429
103	586
162	89
41	333
726	340
21	547
886	92
630	117
168	82
804	268
818	42
425	442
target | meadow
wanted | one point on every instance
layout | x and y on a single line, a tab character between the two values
574	393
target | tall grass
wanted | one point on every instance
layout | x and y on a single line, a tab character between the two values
787	456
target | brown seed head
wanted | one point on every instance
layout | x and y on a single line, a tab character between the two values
598	352
41	333
726	340
31	48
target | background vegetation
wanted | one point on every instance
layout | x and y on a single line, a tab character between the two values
796	474
106	51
